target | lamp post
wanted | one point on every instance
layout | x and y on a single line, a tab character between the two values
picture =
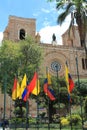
4	103
79	87
5	82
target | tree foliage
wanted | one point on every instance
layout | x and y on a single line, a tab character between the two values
85	107
81	87
16	59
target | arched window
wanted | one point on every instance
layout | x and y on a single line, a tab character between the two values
84	63
82	43
22	34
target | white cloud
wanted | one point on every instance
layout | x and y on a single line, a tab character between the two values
47	32
45	10
1	37
46	22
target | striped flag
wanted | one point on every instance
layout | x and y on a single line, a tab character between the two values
15	90
23	85
48	90
69	81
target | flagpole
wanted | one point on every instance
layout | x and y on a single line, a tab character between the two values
37	113
79	87
5	80
58	94
48	103
37	105
15	114
48	114
69	98
27	110
70	114
15	102
27	107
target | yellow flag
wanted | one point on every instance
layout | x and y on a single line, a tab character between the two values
49	78
18	90
67	77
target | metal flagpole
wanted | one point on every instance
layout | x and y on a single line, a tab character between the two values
15	114
37	103
48	114
69	100
70	114
27	109
27	114
10	108
58	95
37	113
48	102
79	87
5	80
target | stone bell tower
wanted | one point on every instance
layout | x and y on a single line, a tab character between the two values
18	28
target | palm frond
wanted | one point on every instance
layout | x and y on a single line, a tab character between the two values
63	15
61	18
59	5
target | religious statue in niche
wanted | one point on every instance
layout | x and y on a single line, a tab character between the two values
54	42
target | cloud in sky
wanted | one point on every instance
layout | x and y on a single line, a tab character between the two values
45	10
1	37
47	32
48	21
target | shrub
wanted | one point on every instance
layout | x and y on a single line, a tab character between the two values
20	112
17	120
85	106
32	120
74	119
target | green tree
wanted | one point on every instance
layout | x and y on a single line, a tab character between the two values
82	87
78	11
19	111
31	55
8	63
85	107
17	59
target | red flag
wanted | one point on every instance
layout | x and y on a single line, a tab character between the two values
71	83
31	86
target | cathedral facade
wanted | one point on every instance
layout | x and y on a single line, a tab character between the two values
55	56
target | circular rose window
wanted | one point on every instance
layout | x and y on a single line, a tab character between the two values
55	66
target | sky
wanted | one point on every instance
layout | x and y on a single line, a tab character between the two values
44	12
